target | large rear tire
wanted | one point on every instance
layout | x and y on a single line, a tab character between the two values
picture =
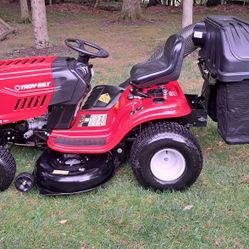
166	156
7	168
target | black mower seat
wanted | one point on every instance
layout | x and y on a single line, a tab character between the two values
163	69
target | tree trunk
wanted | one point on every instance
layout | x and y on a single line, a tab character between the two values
96	3
187	16
25	17
39	20
131	10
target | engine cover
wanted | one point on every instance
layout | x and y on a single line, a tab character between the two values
30	85
26	88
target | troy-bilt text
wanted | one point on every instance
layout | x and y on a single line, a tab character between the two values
32	86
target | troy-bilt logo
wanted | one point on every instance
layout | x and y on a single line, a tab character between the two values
32	86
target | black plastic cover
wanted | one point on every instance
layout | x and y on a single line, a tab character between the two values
226	48
233	111
71	84
55	177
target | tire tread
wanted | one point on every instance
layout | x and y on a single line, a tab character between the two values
153	130
8	164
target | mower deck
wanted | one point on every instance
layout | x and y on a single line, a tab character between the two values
58	174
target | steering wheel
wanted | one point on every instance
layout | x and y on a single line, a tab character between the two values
93	50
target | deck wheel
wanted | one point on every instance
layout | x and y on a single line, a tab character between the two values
24	182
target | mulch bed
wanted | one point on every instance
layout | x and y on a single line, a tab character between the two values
2	29
72	8
32	51
226	9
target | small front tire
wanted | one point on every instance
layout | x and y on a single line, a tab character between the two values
166	156
24	182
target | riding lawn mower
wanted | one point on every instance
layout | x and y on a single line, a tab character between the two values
85	134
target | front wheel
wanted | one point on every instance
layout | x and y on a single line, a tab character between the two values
7	168
166	156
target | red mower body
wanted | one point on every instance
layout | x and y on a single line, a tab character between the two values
99	131
26	88
33	87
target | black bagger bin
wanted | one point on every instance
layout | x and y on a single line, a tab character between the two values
225	55
233	111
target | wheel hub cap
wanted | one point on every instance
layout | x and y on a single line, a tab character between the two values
167	164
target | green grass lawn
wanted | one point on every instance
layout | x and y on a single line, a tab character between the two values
122	214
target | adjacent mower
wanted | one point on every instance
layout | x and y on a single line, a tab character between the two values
146	119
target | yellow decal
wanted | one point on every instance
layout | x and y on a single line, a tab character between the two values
60	172
105	98
117	105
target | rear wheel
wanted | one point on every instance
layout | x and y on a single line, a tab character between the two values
166	156
7	168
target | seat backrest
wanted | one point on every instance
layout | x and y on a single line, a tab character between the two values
164	67
174	51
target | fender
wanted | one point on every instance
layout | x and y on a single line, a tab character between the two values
99	131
